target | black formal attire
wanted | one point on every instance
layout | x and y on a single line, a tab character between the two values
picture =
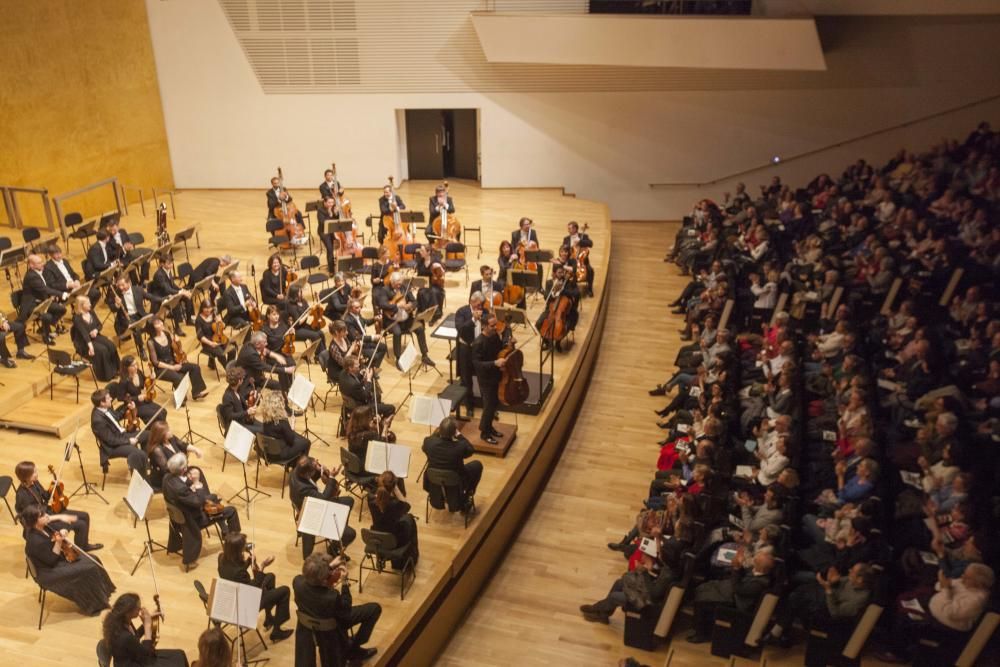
382	297
450	455
236	310
468	331
362	392
115	442
336	305
234	408
207	267
322	218
570	290
36	494
116	246
59	274
357	443
163	287
132	310
20	338
488	290
432	295
273	599
299	489
516	237
357	326
294	444
385	209
329	189
84	582
275	335
742	590
397	521
272	287
485	350
129	649
128	390
34	291
432	207
105	359
335	360
293	311
273	202
323	602
164	354
584	241
378	273
99	258
250	360
217	353
192	504
158	461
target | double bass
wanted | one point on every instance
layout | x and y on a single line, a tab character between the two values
288	214
397	232
342	205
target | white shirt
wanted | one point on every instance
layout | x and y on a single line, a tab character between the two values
239	294
61	265
104	251
114	420
42	277
129	298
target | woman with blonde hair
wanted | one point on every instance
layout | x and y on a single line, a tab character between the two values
274	416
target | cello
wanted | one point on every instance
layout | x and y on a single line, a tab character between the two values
288	214
396	231
555	325
342	205
581	255
446	228
513	389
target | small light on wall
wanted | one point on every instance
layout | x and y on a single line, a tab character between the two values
776	159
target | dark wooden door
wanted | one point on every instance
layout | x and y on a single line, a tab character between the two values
425	140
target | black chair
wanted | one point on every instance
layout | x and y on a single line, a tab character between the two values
308	263
62	364
74	219
7	244
455	265
449	480
314	625
357	482
6	482
42	592
203	596
381	548
222	431
410	249
103	654
177	519
269	451
30	235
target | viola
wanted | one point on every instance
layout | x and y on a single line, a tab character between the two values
149	387
252	395
316	317
513	388
180	356
213	507
290	277
58	501
218	335
131	418
69	551
437	275
288	342
256	320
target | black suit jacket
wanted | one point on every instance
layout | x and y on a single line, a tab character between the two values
432	207
272	286
382	300
233	408
484	352
354	330
232	303
55	278
477	286
354	388
326	191
465	324
447	455
107	435
299	489
98	261
383	205
208	267
323	602
161	285
515	238
585	241
250	360
140	296
273	202
177	492
35	290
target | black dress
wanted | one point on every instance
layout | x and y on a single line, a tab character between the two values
293	444
165	354
105	358
396	520
125	390
273	600
128	649
84	581
216	352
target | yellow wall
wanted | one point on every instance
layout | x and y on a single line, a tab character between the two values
79	101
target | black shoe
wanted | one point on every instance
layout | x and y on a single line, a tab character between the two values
360	654
496	434
180	334
677	311
21	354
427	361
8	362
686	337
674	304
546	344
596	617
489	438
49	339
96	546
278	634
268	622
663	413
617	546
211	364
659	391
465	417
695	638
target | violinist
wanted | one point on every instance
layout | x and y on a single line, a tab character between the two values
214	649
295	308
236	563
185	489
388	204
132	388
133	646
391	514
164	357
31	492
336	298
128	304
362	428
429	267
356	384
90	344
302	484
578	241
489	289
488	366
277	196
275	327
162	445
204	328
392	299
112	438
323	592
383	267
272	283
274	417
325	214
470	321
441	202
60	568
239	401
163	287
447	449
560	285
256	359
340	348
357	325
237	301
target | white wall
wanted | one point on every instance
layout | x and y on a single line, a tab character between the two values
225	133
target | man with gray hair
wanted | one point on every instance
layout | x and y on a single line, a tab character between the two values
256	359
186	489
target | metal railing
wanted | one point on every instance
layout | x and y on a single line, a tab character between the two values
142	198
14	218
58	200
170	195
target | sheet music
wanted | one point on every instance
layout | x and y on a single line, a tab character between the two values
384	456
239	441
182	391
323	518
911	478
446	332
138	496
406	359
648	547
429	410
301	391
744	471
234	603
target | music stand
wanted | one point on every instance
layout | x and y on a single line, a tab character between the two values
199	289
166	250
136	265
137	500
136	328
511	316
239	441
343	226
529	280
36	316
168	305
82	290
300	395
234	266
182	237
88	488
181	395
13	257
304	355
422	321
351	266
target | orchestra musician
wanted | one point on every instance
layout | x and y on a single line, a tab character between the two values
391	514
214	649
302	484
524	234
274	417
164	359
382	267
362	428
82	579
357	385
34	291
160	447
238	563
340	348
59	273
295	308
256	359
439	203
217	352
560	285
209	267
133	646
31	492
505	257
470	321
330	187
488	366
185	489
447	449
235	406
131	388
278	195
129	306
272	283
579	241
393	320
388	203
429	263
163	287
122	248
323	592
112	438
20	339
99	256
357	326
236	299
325	214
336	298
90	344
274	328
486	286
564	258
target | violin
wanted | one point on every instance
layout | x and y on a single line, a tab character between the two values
131	418
149	387
288	342
180	356
316	317
256	320
288	214
252	395
437	275
555	327
58	501
69	551
290	277
154	624
218	335
513	389
213	507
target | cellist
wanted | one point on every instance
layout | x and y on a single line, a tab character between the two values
277	196
489	369
388	204
557	287
439	203
579	242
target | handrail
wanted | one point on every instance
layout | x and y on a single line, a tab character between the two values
58	200
815	151
142	203
169	193
14	218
